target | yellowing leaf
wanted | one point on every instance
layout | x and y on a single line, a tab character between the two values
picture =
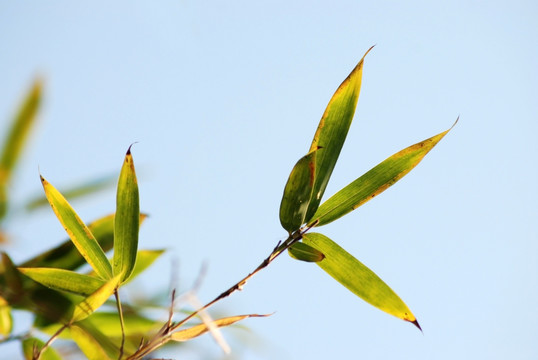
88	344
197	330
78	232
87	306
332	131
127	220
357	278
64	280
374	182
6	321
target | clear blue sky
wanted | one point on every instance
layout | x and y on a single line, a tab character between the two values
224	97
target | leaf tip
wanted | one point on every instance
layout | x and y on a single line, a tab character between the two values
415	322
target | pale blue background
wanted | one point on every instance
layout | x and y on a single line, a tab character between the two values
224	97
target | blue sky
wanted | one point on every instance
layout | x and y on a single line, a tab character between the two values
224	97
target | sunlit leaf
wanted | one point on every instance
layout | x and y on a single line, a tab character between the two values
127	220
87	306
78	232
6	320
197	330
304	252
332	131
15	140
90	345
30	344
135	324
374	182
359	279
64	280
298	193
144	259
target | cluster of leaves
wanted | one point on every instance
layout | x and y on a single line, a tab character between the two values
65	301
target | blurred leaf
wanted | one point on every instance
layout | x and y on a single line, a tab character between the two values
64	280
135	324
374	182
87	306
78	232
298	192
88	343
66	255
15	140
360	280
10	279
332	131
6	320
29	344
127	220
145	259
87	188
197	330
304	252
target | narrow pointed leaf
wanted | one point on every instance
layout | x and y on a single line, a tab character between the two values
127	220
28	346
357	278
304	252
374	182
78	232
16	139
298	193
64	280
88	343
144	260
332	131
87	306
197	330
135	324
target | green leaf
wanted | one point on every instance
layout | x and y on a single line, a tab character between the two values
6	320
16	139
374	182
332	131
78	232
87	306
197	330
135	324
88	343
28	346
127	219
304	252
357	278
145	259
298	193
64	280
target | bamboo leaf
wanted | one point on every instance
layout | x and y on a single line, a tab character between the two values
145	259
88	343
78	232
6	320
135	324
64	280
87	306
357	278
197	330
127	219
298	193
304	252
29	345
332	131
374	182
16	139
